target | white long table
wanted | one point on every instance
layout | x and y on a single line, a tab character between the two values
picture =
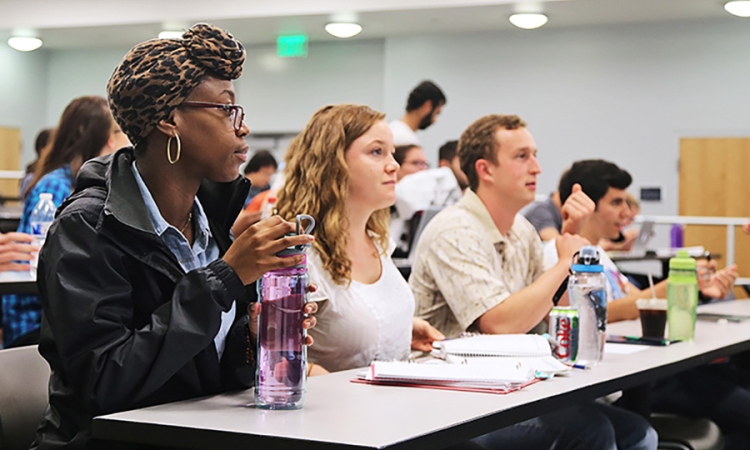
15	282
343	415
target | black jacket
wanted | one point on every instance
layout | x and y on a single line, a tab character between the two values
124	326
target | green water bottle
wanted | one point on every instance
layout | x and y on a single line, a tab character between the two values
682	297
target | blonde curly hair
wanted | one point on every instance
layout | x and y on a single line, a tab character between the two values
317	183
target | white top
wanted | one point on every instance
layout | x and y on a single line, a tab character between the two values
403	134
360	323
431	188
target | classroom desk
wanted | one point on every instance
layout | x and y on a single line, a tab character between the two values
343	415
10	217
17	283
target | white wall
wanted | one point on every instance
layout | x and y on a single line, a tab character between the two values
74	73
23	95
623	93
281	94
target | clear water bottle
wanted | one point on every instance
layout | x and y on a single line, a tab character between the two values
677	236
682	297
40	220
587	290
282	356
268	208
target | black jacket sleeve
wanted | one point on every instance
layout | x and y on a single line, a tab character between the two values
87	289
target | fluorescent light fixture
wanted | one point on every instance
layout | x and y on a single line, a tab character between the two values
528	21
343	30
740	8
25	43
171	34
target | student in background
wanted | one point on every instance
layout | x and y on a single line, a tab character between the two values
431	188
478	267
424	105
411	159
553	217
86	130
365	306
448	157
42	139
627	236
605	183
15	250
259	171
142	283
712	390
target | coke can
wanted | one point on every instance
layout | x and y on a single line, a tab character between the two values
563	327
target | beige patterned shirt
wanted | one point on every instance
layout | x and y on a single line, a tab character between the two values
464	266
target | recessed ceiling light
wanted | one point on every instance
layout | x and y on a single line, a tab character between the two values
528	21
171	34
740	8
343	30
25	43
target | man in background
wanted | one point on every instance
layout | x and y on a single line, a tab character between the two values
431	188
411	159
425	103
259	171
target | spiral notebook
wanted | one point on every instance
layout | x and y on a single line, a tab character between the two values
480	363
493	345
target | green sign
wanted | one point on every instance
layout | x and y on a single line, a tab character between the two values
294	46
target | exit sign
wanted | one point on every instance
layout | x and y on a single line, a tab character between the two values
294	46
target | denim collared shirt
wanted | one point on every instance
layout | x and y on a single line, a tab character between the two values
204	249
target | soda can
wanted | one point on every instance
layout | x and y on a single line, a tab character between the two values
563	327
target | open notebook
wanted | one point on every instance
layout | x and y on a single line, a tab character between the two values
484	363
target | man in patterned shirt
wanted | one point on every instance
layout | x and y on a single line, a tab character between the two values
479	264
479	267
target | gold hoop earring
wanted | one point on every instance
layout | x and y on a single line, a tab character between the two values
169	152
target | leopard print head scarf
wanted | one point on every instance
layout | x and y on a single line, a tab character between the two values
157	75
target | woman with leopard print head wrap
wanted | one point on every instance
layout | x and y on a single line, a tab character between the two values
141	281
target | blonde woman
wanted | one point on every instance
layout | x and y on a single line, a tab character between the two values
341	170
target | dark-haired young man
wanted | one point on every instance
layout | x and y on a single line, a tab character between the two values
425	103
479	267
259	171
605	184
717	391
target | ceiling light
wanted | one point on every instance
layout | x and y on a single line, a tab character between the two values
739	8
171	34
528	21
24	43
343	30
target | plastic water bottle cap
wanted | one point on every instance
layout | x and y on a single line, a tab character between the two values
45	196
682	261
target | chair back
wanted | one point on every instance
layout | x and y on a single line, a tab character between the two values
24	379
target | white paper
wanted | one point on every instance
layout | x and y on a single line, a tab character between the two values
623	349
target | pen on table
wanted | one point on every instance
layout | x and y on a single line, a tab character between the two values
580	366
647	339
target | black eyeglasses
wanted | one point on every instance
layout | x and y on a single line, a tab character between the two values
236	112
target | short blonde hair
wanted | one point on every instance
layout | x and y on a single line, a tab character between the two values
317	183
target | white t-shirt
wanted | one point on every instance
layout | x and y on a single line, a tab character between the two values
431	188
403	134
617	283
359	323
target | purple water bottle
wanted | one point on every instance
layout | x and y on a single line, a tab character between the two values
282	356
677	236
